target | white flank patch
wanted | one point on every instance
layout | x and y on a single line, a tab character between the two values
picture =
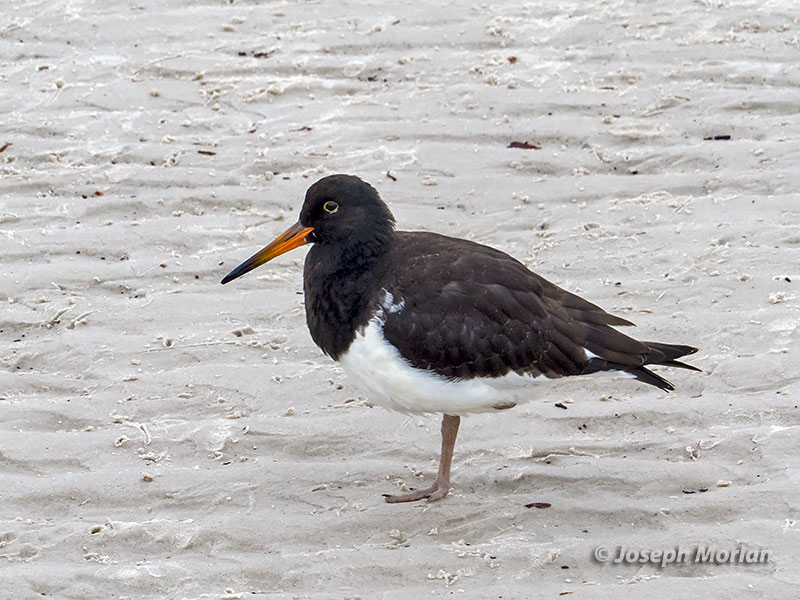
390	381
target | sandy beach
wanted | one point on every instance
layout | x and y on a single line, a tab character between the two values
165	437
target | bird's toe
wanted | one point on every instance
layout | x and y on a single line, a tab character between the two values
412	496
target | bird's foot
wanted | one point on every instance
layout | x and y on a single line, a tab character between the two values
436	492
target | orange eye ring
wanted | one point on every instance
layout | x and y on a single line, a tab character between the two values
330	207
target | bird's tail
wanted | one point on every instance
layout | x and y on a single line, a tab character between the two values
656	354
664	355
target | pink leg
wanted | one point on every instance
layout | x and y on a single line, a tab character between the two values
441	486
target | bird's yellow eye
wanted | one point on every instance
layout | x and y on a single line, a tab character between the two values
330	207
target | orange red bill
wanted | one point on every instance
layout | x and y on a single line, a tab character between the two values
292	238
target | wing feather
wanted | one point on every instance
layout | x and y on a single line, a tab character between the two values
473	311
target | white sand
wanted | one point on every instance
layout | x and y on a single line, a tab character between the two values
164	437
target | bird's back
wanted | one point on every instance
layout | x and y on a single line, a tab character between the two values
470	311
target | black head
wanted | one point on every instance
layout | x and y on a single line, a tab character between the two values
341	214
346	211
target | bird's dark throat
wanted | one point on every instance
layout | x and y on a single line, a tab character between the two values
342	287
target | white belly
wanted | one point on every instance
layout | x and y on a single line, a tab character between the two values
389	380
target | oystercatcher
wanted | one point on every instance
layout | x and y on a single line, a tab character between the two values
426	323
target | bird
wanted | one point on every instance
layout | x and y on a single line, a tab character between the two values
424	323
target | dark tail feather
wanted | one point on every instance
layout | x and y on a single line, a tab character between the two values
664	355
647	376
658	354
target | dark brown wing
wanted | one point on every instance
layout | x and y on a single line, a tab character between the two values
472	311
